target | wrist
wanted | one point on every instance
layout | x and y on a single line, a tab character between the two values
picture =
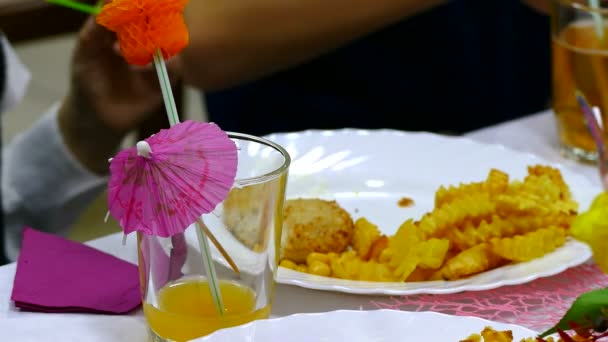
88	138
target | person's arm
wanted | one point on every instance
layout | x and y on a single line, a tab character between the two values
108	98
236	41
56	168
43	185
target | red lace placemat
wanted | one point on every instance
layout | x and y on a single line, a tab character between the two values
537	305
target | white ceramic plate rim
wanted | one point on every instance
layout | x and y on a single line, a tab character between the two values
242	330
583	253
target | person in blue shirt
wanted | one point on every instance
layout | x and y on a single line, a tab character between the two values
446	66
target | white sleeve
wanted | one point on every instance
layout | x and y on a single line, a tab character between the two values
43	185
17	78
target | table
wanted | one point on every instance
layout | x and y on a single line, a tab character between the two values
533	134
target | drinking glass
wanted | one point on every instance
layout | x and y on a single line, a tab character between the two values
176	298
580	63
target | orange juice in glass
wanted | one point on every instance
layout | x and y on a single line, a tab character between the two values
580	62
177	301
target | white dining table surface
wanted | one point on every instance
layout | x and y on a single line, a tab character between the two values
534	134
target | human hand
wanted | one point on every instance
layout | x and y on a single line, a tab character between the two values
108	98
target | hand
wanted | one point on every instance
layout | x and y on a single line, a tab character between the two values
108	98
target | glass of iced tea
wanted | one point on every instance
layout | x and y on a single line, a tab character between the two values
580	63
177	301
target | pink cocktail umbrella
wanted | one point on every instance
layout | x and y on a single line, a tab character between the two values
165	183
169	180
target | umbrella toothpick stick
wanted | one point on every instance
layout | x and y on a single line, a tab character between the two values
218	245
168	99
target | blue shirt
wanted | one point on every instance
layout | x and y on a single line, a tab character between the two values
462	66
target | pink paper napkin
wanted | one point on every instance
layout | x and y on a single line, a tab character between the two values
58	275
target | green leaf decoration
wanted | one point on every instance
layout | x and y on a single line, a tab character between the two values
587	309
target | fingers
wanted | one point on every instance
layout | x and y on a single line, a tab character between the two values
94	39
149	71
174	69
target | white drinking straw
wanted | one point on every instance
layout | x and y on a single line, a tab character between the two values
597	18
169	100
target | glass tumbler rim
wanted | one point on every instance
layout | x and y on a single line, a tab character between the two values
583	5
268	175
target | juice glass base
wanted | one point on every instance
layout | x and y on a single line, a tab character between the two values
578	154
153	337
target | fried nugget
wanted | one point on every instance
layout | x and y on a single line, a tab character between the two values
246	214
314	225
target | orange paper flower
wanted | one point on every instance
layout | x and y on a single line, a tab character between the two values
142	26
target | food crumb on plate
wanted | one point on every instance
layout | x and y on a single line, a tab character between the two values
405	202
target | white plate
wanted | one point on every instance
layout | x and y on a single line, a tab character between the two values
367	172
363	326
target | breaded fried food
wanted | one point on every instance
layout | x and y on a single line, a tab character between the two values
490	335
246	214
314	225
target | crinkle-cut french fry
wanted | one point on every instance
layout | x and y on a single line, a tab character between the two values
353	268
550	189
405	268
489	334
408	251
420	274
473	338
431	253
497	182
374	271
529	246
474	260
476	206
528	223
527	203
472	234
544	188
377	248
555	175
445	195
541	185
402	246
364	235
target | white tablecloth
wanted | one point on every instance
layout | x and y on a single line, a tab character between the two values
534	134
